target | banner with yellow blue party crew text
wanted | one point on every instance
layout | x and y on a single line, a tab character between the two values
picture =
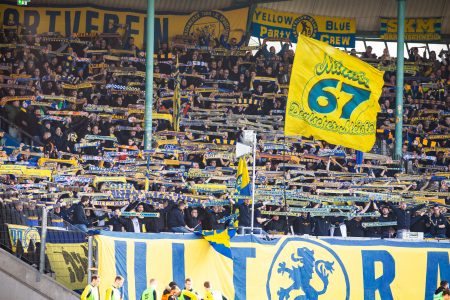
339	32
333	96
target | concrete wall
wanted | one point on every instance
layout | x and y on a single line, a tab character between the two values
19	281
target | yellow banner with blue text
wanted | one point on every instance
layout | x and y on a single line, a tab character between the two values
284	268
84	19
333	96
338	32
416	29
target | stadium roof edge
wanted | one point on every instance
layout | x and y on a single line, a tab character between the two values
366	13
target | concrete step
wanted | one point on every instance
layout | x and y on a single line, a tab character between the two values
20	281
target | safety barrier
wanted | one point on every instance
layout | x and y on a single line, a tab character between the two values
47	242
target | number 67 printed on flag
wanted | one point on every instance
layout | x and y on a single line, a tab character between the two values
333	96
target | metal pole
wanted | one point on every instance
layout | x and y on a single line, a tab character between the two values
253	181
150	39
43	239
399	83
90	254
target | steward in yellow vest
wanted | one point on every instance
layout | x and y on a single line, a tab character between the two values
91	292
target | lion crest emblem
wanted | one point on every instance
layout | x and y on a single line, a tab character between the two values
302	274
306	270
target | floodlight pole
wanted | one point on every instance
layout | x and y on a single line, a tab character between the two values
400	79
149	47
253	181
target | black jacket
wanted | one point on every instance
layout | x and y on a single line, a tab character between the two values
128	224
175	218
373	232
211	219
79	217
156	224
302	225
436	222
60	143
384	230
193	222
245	214
321	226
420	224
18	217
354	228
116	223
276	225
404	216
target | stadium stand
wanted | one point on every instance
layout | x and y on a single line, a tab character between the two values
78	100
72	137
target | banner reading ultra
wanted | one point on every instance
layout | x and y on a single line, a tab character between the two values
283	268
70	19
416	29
339	32
333	96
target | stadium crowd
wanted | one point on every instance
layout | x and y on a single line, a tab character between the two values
76	105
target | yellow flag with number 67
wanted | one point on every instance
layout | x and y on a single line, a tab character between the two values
333	96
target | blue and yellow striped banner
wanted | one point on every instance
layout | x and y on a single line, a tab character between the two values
287	267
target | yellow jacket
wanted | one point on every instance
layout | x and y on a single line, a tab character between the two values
209	295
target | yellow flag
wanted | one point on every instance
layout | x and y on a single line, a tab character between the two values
333	96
